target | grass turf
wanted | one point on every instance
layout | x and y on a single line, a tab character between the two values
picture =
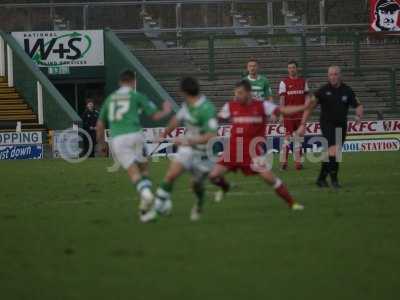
71	232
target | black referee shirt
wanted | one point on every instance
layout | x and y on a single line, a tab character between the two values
335	102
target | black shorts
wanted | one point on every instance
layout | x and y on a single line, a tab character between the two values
329	132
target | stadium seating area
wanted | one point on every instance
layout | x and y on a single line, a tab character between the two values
13	109
373	88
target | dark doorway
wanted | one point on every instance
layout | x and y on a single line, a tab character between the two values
77	93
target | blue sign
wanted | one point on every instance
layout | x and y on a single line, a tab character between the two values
21	152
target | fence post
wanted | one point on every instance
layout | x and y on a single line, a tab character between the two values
211	57
40	102
2	58
10	67
356	53
304	54
393	88
85	9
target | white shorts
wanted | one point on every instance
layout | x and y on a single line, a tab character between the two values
128	149
196	162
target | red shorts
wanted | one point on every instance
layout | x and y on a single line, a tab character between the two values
234	167
291	126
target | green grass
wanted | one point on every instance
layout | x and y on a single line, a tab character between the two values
71	232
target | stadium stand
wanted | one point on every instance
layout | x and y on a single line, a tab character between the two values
373	87
13	108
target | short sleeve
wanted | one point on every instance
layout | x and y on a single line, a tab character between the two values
148	106
270	108
353	102
103	116
282	88
182	112
209	120
224	113
268	90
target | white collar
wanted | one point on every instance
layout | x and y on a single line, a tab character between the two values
200	101
252	79
124	89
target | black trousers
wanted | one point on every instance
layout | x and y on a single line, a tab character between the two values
330	131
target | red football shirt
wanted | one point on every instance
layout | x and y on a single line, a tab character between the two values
248	123
294	91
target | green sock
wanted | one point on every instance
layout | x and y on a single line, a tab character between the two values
166	186
143	183
199	191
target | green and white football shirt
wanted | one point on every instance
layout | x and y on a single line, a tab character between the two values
121	111
260	87
198	119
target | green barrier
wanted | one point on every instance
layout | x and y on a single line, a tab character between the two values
57	113
118	58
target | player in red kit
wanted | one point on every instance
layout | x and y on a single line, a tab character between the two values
246	147
293	90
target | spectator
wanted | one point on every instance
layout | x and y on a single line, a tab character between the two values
89	119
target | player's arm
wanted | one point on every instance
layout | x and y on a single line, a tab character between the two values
161	114
282	94
151	110
172	125
101	126
311	103
268	91
359	112
224	113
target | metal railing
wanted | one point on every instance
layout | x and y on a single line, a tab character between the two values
170	14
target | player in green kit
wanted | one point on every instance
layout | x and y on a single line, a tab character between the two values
260	86
198	116
121	112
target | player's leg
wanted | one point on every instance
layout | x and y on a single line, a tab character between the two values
128	151
200	169
144	186
163	202
216	177
333	150
286	143
297	147
280	189
328	134
199	191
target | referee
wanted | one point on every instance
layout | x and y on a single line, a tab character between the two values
335	98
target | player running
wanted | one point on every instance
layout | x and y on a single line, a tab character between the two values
248	117
260	86
293	90
198	116
120	112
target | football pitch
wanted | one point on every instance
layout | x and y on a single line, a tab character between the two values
71	231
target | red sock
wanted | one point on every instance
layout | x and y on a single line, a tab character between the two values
221	182
283	192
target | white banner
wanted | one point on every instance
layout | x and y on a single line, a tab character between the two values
20	138
313	128
77	48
